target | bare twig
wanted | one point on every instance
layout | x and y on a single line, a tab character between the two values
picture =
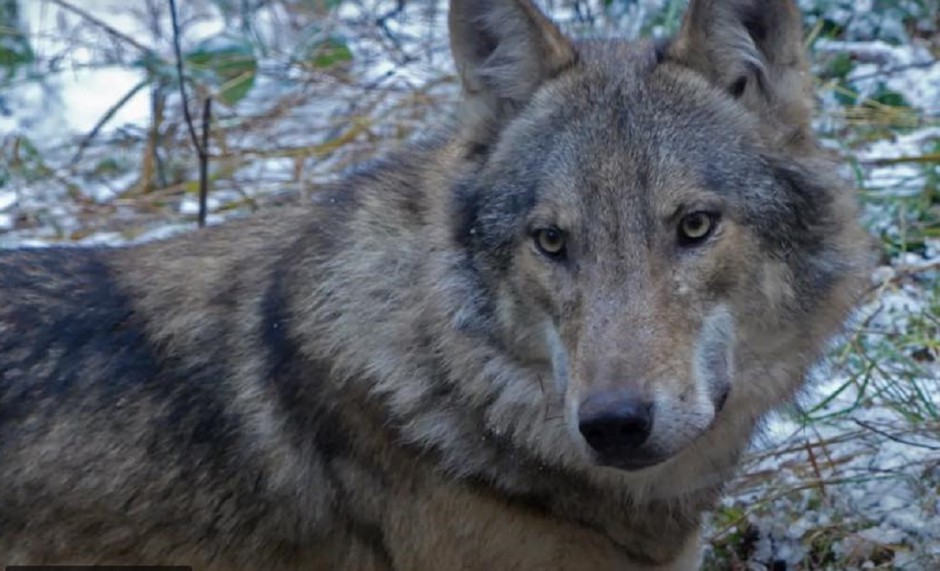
204	163
382	22
882	72
928	158
111	112
179	73
817	471
101	24
909	269
890	436
201	149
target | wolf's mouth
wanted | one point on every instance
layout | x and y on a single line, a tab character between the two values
722	399
631	461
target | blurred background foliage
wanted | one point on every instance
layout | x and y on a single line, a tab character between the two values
307	88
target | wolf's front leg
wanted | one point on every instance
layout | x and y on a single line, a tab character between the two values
689	559
445	525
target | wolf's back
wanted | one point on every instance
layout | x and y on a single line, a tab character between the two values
98	437
67	331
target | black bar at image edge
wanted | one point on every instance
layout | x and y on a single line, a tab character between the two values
97	568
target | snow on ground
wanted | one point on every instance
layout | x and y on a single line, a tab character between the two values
868	464
901	179
867	470
865	465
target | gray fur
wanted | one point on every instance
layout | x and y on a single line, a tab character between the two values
390	379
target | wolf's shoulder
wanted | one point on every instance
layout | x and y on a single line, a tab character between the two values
65	321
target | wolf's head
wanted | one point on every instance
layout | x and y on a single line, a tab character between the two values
649	221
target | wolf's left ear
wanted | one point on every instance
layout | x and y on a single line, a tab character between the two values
754	50
504	50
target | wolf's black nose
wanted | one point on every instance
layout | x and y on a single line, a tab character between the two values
615	422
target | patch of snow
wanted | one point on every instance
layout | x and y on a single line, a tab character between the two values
910	69
7	199
95	91
190	206
162	232
899	179
102	239
73	102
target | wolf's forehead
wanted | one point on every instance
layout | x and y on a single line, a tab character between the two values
649	127
619	56
636	156
634	85
629	137
639	134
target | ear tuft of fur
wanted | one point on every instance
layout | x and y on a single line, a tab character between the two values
753	49
503	50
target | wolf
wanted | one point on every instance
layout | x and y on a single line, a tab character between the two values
538	338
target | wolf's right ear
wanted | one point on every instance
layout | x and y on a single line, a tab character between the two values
753	49
504	50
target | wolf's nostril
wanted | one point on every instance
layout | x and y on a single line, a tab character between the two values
592	434
614	422
630	428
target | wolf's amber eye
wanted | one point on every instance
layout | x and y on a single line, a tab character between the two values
550	241
695	227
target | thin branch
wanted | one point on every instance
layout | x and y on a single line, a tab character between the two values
204	163
382	22
179	73
101	24
109	114
889	436
201	149
892	70
928	158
